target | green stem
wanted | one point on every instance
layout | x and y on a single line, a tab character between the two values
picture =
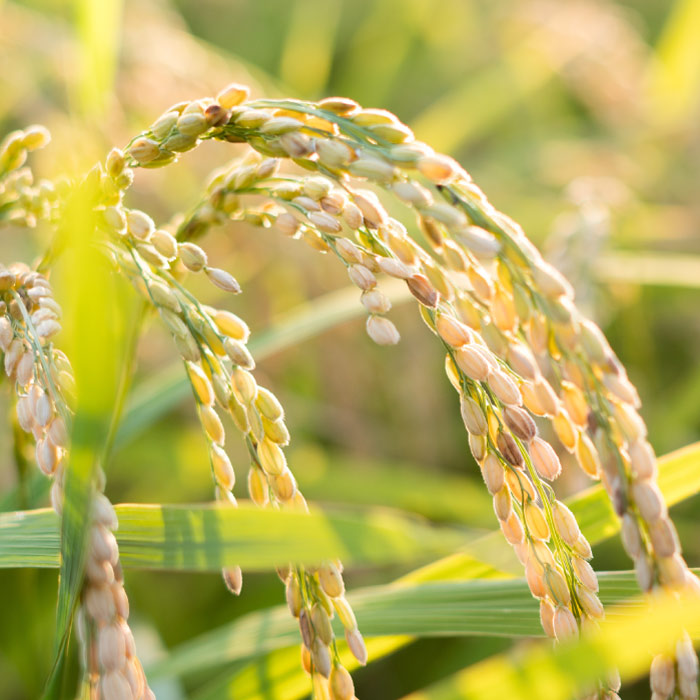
125	378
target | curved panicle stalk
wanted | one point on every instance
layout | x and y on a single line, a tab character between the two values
517	352
212	343
517	347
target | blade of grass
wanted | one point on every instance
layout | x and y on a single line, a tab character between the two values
94	343
674	71
307	53
209	537
98	24
462	115
446	609
372	45
625	641
206	537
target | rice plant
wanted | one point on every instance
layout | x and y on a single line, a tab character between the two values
518	353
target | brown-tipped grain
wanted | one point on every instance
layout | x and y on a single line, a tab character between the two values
509	449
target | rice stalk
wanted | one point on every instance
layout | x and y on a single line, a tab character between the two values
518	351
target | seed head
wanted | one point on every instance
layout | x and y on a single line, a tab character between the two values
231	325
564	624
356	644
544	459
296	145
536	522
586	575
520	422
492	471
422	289
192	256
664	538
473	416
223	471
649	501
512	529
238	353
547	617
662	676
566	524
477	445
216	115
112	647
232	95
642	460
331	581
569	438
271	457
47	457
382	331
509	449
334	154
504	388
520	485
200	383
139	224
287	224
6	333
582	548
325	222
502	503
438	168
244	385
631	537
233	578
362	277
471	360
341	685
375	302
144	150
223	280
114	686
544	398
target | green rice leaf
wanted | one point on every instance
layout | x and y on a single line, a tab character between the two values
626	641
98	24
675	69
93	341
446	609
209	537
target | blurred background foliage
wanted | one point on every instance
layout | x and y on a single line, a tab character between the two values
580	119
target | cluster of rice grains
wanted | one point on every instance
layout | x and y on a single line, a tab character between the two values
22	201
516	349
45	391
212	343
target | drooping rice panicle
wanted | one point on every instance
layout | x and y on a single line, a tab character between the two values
482	264
45	390
218	365
24	202
517	349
